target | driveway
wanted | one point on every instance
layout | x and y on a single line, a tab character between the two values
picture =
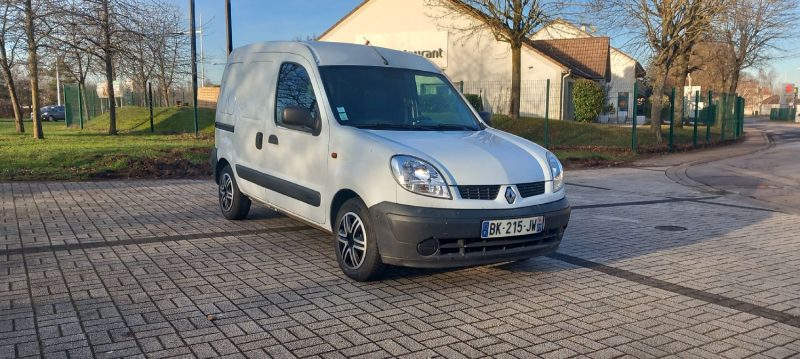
648	268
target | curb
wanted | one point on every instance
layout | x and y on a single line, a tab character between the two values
679	175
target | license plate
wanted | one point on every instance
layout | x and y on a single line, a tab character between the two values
512	227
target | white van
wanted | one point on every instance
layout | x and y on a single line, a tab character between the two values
377	147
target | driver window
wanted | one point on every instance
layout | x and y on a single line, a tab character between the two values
437	100
294	89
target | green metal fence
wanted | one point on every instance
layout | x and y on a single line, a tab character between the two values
783	114
624	122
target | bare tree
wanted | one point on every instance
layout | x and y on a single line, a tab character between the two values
511	21
102	27
31	19
170	49
665	28
754	32
10	40
77	62
157	48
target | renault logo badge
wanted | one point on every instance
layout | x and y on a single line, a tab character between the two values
511	196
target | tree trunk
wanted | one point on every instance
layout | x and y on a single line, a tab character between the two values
112	103
516	63
33	69
734	85
680	83
85	109
12	94
655	113
107	54
166	97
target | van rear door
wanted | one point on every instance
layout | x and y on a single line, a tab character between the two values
247	80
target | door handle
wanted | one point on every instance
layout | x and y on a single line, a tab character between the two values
259	140
273	139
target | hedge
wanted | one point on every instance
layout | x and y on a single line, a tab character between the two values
588	98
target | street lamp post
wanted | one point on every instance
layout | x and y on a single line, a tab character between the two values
193	36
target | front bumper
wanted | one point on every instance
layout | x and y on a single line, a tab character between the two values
451	237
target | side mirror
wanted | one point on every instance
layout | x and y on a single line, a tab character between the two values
486	117
300	117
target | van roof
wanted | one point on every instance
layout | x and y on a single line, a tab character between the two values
336	53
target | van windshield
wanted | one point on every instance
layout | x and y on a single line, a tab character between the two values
395	99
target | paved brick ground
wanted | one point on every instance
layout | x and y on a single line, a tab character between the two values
150	269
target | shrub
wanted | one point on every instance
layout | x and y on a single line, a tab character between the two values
588	98
475	100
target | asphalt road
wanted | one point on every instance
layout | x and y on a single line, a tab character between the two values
770	175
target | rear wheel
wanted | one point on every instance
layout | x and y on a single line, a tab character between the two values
232	202
355	242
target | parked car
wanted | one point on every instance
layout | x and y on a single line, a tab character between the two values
52	113
378	148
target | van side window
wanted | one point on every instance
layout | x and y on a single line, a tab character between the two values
294	90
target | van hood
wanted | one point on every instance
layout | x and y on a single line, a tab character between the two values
487	157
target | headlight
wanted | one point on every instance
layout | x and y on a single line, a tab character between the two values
557	170
419	176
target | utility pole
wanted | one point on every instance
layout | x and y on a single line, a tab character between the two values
58	85
193	36
202	54
228	30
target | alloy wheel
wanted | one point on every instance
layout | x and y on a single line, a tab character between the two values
352	240
226	192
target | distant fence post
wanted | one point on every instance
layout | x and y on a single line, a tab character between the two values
724	107
708	118
67	107
461	86
741	123
80	106
634	141
547	115
736	114
696	117
150	103
671	119
683	109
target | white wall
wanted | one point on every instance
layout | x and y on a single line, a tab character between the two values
483	63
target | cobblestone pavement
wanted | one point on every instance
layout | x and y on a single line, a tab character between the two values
151	269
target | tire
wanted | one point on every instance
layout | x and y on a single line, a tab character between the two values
353	230
50	119
233	204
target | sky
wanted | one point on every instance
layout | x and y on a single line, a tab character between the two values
261	20
269	20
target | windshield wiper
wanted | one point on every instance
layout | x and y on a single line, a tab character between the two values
385	126
448	126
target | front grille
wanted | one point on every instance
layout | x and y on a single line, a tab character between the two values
530	189
479	192
479	246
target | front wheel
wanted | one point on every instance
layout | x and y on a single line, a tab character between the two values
50	119
232	202
355	242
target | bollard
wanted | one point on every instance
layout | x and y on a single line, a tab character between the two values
634	141
708	118
150	104
547	116
696	117
671	119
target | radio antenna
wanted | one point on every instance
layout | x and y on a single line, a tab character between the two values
385	62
